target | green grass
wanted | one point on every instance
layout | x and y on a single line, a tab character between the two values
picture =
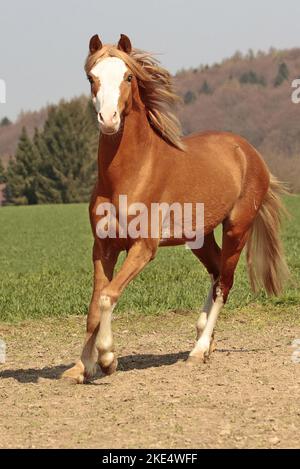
46	269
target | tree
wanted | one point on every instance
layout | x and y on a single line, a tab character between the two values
252	78
21	173
282	75
45	187
205	88
250	54
59	165
189	97
4	122
68	148
2	173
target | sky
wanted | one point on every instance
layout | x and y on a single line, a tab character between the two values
43	44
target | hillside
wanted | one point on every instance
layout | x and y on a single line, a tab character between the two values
249	95
9	134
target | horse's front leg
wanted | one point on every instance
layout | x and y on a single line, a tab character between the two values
104	258
138	257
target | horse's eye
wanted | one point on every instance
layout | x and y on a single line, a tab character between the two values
129	78
90	80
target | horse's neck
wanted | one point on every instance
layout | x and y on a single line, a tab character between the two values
125	152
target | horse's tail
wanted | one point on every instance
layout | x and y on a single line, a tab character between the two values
266	263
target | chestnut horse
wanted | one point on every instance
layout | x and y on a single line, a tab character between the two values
142	155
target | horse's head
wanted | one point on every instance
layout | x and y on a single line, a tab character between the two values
111	86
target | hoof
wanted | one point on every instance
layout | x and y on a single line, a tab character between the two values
110	369
194	360
191	361
212	346
90	370
74	375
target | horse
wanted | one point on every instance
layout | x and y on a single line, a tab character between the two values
143	155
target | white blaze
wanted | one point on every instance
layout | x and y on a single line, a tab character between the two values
110	72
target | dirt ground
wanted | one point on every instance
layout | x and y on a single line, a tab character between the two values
247	395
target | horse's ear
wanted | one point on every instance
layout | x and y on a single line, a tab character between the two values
124	44
95	44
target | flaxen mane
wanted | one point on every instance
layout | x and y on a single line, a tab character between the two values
156	89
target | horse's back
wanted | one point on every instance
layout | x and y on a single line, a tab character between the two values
230	153
217	169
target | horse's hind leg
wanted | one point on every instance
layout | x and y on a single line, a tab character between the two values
235	233
210	256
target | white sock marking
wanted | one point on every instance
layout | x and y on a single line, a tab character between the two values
203	344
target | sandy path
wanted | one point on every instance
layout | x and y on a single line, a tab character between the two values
247	395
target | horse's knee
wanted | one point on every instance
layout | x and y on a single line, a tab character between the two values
108	298
222	289
106	302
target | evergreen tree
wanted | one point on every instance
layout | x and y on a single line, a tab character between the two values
252	79
205	88
4	122
189	97
60	164
45	186
69	158
282	75
2	173
21	173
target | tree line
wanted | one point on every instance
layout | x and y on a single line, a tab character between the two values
250	77
59	164
250	96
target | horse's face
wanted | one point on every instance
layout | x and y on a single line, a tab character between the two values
111	91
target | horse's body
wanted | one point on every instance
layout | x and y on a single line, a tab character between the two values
220	170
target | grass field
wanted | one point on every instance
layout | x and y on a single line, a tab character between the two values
245	396
46	269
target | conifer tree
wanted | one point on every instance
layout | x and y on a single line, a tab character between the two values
2	173
21	173
60	164
45	186
282	75
69	160
205	88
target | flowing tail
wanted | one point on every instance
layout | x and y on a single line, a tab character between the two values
266	262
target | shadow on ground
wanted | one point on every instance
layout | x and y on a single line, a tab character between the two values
127	363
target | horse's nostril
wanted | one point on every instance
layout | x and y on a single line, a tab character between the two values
115	114
100	117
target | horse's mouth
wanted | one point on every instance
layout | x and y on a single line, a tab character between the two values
107	132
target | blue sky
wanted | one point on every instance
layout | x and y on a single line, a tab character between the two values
43	44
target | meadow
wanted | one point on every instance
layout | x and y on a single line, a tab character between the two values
46	269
